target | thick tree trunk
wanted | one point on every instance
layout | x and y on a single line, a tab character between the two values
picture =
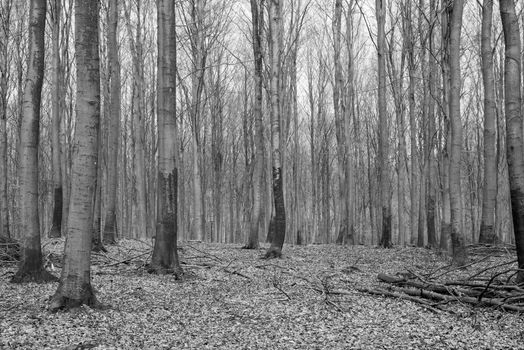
279	219
165	255
4	40
56	228
489	194
75	282
457	234
30	268
514	138
383	134
113	135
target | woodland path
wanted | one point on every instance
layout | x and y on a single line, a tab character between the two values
231	299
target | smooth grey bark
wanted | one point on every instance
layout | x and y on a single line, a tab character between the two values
75	288
257	18
489	193
113	134
383	134
513	113
30	268
56	227
279	219
457	234
5	20
445	225
165	255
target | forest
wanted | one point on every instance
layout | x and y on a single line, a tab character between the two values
261	174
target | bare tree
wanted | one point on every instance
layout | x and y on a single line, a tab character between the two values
487	226
75	281
165	255
56	228
197	85
5	20
383	134
279	219
257	18
113	135
514	138
457	234
31	268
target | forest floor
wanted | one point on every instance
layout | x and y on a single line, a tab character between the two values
230	298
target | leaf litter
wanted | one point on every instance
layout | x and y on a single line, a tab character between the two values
229	298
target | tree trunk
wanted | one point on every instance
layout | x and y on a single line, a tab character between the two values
75	282
514	138
197	86
430	144
383	135
340	126
445	226
457	234
489	194
4	77
165	255
279	219
30	268
56	228
113	135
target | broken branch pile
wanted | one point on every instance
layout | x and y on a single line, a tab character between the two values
495	292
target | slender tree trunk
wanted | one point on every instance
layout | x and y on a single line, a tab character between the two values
342	233
412	127
514	137
56	228
279	219
430	146
75	282
30	268
385	197
489	194
197	85
165	255
257	18
113	135
4	77
445	226
457	234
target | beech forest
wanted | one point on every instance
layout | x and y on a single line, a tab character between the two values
261	174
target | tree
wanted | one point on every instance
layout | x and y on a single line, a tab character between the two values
489	194
165	255
5	19
31	268
445	225
140	212
383	135
110	227
75	288
340	126
197	85
279	218
457	235
514	138
56	228
257	17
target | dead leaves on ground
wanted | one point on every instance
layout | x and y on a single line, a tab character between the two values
230	298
